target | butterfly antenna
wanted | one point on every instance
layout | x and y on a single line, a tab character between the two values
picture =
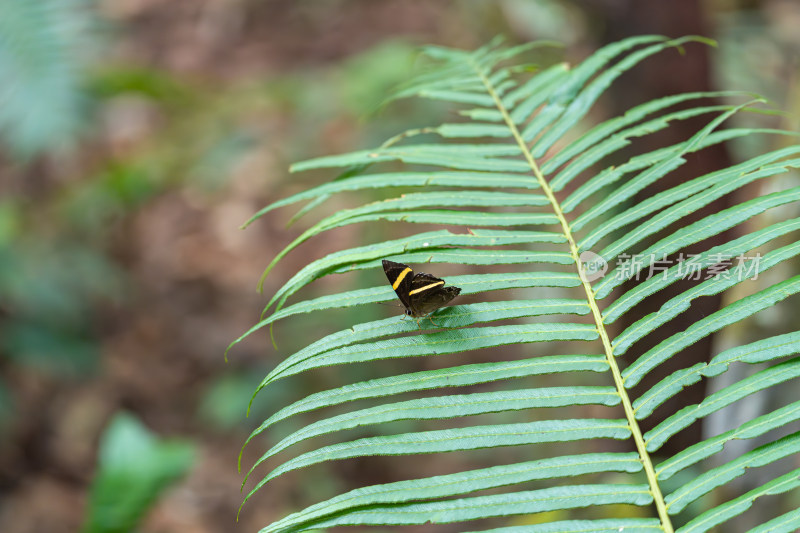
389	304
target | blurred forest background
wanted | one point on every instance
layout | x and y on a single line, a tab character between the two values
137	135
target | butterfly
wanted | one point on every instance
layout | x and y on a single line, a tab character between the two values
421	294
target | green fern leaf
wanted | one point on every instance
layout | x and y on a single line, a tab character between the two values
533	189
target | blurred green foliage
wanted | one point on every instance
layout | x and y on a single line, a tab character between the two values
45	53
134	468
52	289
221	403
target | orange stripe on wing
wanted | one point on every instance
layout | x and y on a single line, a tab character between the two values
400	277
426	287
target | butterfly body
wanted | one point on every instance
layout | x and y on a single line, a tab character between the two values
421	294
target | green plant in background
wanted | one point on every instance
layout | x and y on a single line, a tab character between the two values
50	279
57	271
134	469
519	173
45	51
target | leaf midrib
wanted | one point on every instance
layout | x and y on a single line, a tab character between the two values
636	432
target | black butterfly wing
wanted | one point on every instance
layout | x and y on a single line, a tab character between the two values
400	277
428	294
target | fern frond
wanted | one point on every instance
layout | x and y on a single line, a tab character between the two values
535	189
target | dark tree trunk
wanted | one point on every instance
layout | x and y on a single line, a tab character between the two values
669	73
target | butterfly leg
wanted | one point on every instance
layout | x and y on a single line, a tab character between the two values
430	317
